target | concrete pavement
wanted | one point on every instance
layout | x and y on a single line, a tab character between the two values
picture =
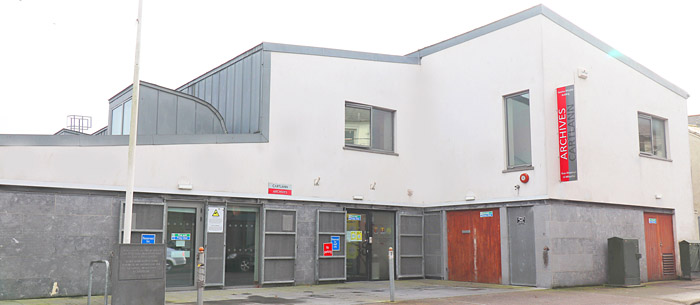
424	292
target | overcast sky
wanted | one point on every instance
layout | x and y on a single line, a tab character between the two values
70	56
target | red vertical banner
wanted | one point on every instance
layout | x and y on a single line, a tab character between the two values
566	134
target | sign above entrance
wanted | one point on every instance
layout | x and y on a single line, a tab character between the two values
357	217
486	214
180	236
652	220
327	249
279	189
566	133
215	220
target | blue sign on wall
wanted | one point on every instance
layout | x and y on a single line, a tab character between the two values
335	240
148	238
486	214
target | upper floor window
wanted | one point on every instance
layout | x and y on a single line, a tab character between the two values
369	127
121	119
652	135
517	112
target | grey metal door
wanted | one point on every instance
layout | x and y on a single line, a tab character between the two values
521	239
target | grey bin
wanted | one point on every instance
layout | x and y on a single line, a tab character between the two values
623	262
690	257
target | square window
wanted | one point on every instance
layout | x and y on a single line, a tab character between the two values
652	135
517	112
369	127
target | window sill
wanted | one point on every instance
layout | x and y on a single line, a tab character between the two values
369	150
518	169
654	157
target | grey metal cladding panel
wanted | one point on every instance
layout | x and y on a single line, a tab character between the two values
279	245
433	265
255	98
215	90
207	89
228	116
246	95
204	120
411	266
432	244
215	258
279	270
148	110
167	114
411	245
237	97
265	96
185	116
521	241
273	220
200	90
432	224
331	222
331	268
223	90
411	224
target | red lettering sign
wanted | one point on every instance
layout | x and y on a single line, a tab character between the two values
566	134
328	249
279	192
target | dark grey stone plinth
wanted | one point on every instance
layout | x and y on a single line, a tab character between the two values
139	274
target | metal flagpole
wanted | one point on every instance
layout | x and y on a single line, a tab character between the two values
133	131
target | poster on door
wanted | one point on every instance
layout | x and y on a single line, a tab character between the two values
215	219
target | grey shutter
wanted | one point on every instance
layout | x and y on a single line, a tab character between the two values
279	246
432	241
410	246
330	223
146	218
215	243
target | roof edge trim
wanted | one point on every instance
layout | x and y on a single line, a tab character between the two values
574	29
478	32
305	50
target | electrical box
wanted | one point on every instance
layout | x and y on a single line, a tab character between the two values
623	262
690	257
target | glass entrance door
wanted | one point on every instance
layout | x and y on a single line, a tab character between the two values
368	238
242	240
357	246
182	243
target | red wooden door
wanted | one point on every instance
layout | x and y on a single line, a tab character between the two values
660	246
474	246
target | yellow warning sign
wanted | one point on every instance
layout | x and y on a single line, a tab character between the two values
216	213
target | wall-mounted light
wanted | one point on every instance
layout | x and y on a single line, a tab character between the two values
317	181
582	73
372	186
658	196
184	187
358	197
470	198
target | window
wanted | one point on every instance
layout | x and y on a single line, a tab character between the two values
517	111
368	127
121	119
652	135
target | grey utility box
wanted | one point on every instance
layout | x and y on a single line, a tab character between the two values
690	257
623	262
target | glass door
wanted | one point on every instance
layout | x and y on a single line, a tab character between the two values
183	231
242	239
358	246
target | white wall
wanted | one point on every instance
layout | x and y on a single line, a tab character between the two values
449	132
607	102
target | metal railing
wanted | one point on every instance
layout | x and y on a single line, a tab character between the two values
106	280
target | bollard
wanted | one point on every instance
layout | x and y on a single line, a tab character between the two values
201	271
391	274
